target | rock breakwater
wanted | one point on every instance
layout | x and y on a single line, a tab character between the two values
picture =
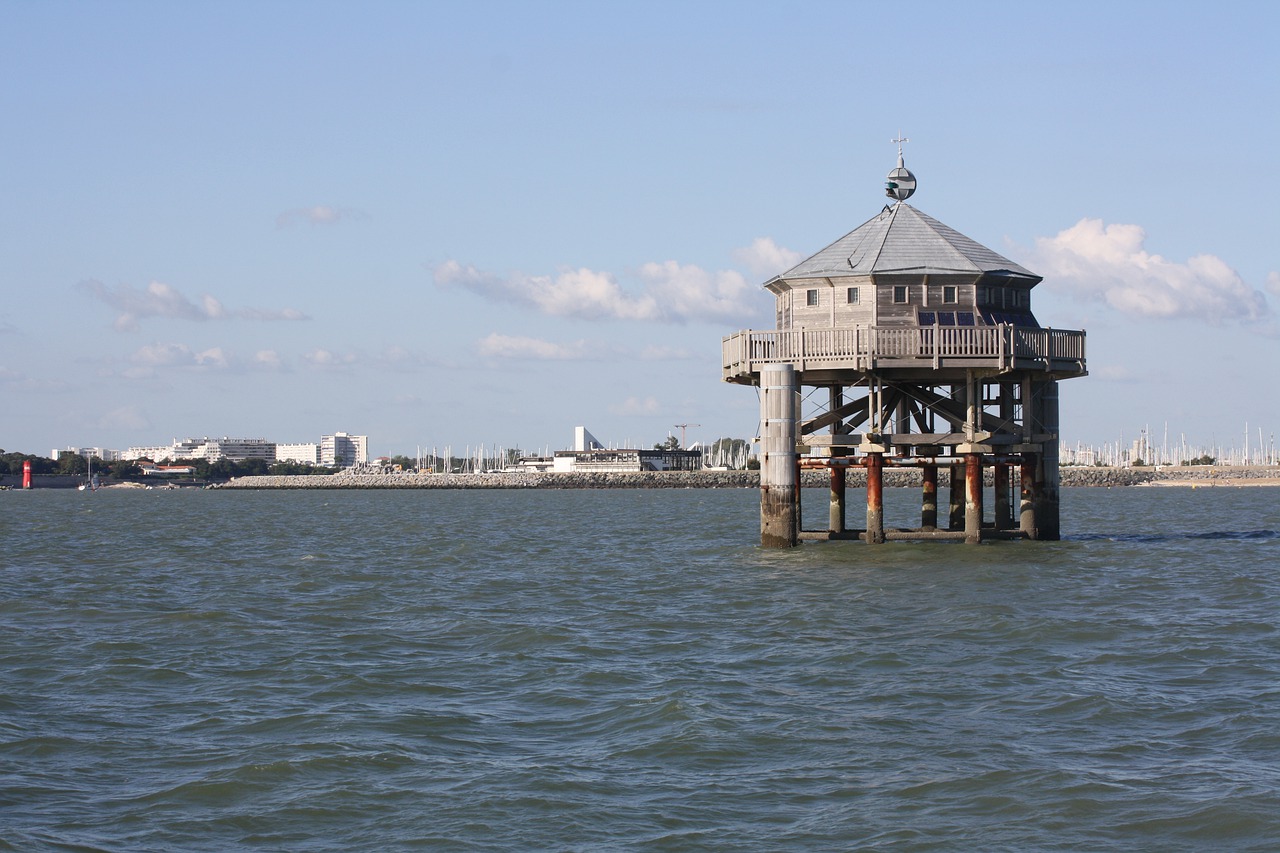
894	477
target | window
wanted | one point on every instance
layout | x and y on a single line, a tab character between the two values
946	318
851	296
811	297
900	293
949	294
964	318
927	318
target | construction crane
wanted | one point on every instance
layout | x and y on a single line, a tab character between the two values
682	428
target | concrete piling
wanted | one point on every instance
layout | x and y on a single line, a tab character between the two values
929	497
973	498
1048	480
1027	502
955	507
1001	498
875	498
779	471
837	512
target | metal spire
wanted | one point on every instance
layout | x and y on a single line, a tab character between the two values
900	183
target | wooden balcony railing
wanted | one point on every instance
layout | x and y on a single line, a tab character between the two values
864	348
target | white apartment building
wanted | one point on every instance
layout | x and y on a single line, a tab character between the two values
212	449
155	452
305	453
88	453
344	450
341	449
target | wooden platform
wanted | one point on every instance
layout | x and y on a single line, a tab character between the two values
821	355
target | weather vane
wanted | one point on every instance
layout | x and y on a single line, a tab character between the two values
901	183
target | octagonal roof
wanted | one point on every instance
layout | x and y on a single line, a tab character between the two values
901	239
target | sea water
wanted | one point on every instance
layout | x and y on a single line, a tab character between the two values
628	670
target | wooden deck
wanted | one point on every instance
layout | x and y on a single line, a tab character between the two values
863	349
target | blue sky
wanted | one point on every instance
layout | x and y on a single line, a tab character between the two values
486	223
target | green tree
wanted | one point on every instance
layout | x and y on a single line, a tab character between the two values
222	469
123	469
672	443
70	462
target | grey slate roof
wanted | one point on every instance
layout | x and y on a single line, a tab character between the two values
901	239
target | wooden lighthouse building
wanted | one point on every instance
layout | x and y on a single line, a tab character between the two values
907	344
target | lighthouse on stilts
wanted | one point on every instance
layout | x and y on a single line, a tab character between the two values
916	347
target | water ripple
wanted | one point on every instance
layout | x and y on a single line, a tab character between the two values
600	670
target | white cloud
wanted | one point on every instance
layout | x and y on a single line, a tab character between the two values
1108	263
765	258
124	418
665	292
166	301
147	360
633	406
161	355
324	358
287	314
399	358
507	346
689	292
497	345
268	359
14	380
664	353
214	357
1273	283
581	293
320	214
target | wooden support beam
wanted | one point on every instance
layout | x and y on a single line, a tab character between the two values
834	416
921	417
954	413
